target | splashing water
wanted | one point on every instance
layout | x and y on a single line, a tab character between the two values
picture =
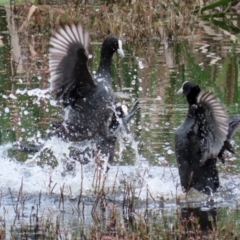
72	178
157	184
67	178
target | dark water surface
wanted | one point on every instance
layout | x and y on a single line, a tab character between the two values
152	71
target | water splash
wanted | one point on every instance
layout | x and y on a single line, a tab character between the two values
47	179
72	178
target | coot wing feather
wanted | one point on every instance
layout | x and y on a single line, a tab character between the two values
234	125
70	78
212	124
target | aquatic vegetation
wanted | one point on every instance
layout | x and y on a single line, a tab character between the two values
112	220
217	13
226	4
130	21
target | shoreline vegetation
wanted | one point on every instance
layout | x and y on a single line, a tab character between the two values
139	22
133	21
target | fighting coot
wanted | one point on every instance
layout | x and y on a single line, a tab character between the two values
199	140
89	102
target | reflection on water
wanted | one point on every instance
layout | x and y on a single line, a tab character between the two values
151	71
205	218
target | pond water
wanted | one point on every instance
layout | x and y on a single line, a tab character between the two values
152	71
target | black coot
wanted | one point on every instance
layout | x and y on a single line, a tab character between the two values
199	140
89	102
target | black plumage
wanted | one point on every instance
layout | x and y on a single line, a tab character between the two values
89	102
199	140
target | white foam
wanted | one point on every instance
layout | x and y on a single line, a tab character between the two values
159	182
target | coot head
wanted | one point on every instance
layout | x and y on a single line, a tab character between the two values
109	47
191	91
112	45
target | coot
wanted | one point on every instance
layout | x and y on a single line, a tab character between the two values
199	139
88	102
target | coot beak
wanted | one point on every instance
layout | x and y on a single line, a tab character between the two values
120	50
180	91
125	110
